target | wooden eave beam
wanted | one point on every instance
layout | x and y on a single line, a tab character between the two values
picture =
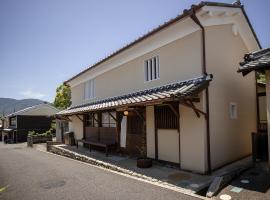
66	118
174	110
95	118
139	114
192	106
79	118
113	117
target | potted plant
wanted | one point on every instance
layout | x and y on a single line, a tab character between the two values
143	161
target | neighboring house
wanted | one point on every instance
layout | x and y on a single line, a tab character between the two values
161	85
36	118
61	129
260	61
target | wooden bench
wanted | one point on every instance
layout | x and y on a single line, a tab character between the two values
105	144
100	137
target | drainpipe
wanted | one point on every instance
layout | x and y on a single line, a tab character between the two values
197	21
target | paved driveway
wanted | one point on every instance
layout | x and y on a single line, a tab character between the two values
26	173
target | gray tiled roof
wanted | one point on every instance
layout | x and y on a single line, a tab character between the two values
259	60
182	89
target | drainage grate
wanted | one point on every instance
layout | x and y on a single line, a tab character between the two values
49	184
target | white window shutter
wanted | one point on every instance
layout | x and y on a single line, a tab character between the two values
85	90
93	89
157	65
145	71
89	89
149	70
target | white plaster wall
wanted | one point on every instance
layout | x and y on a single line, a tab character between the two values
76	126
230	138
166	36
168	145
193	139
175	65
123	132
77	94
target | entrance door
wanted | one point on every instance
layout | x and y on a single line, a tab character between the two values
167	134
134	134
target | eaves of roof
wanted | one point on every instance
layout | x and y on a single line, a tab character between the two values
181	90
22	111
255	61
165	25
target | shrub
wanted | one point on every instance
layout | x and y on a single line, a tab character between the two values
32	133
53	127
35	134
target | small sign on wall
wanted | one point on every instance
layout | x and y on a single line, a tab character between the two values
233	110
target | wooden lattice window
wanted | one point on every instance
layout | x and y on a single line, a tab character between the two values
165	118
91	120
108	120
134	125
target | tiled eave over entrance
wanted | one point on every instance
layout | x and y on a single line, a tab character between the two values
179	91
256	61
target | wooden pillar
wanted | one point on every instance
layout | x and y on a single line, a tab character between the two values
84	124
267	73
118	129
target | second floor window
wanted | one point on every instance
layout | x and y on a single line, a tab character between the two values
151	69
89	89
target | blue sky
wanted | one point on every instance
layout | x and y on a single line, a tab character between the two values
45	42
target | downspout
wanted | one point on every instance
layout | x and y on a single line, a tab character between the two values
197	21
257	105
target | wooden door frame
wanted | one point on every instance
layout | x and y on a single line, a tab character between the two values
177	114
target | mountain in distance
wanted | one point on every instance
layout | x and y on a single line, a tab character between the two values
9	105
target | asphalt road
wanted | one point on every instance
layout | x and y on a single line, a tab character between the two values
27	174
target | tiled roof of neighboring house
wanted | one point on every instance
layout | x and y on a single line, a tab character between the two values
21	112
179	90
185	13
259	60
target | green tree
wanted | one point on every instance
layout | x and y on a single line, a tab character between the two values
62	98
261	77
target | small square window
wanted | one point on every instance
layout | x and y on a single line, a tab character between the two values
233	110
151	69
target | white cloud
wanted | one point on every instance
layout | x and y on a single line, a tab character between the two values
32	95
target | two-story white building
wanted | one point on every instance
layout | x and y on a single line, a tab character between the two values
177	85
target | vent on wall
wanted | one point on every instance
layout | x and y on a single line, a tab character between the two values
151	69
233	110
